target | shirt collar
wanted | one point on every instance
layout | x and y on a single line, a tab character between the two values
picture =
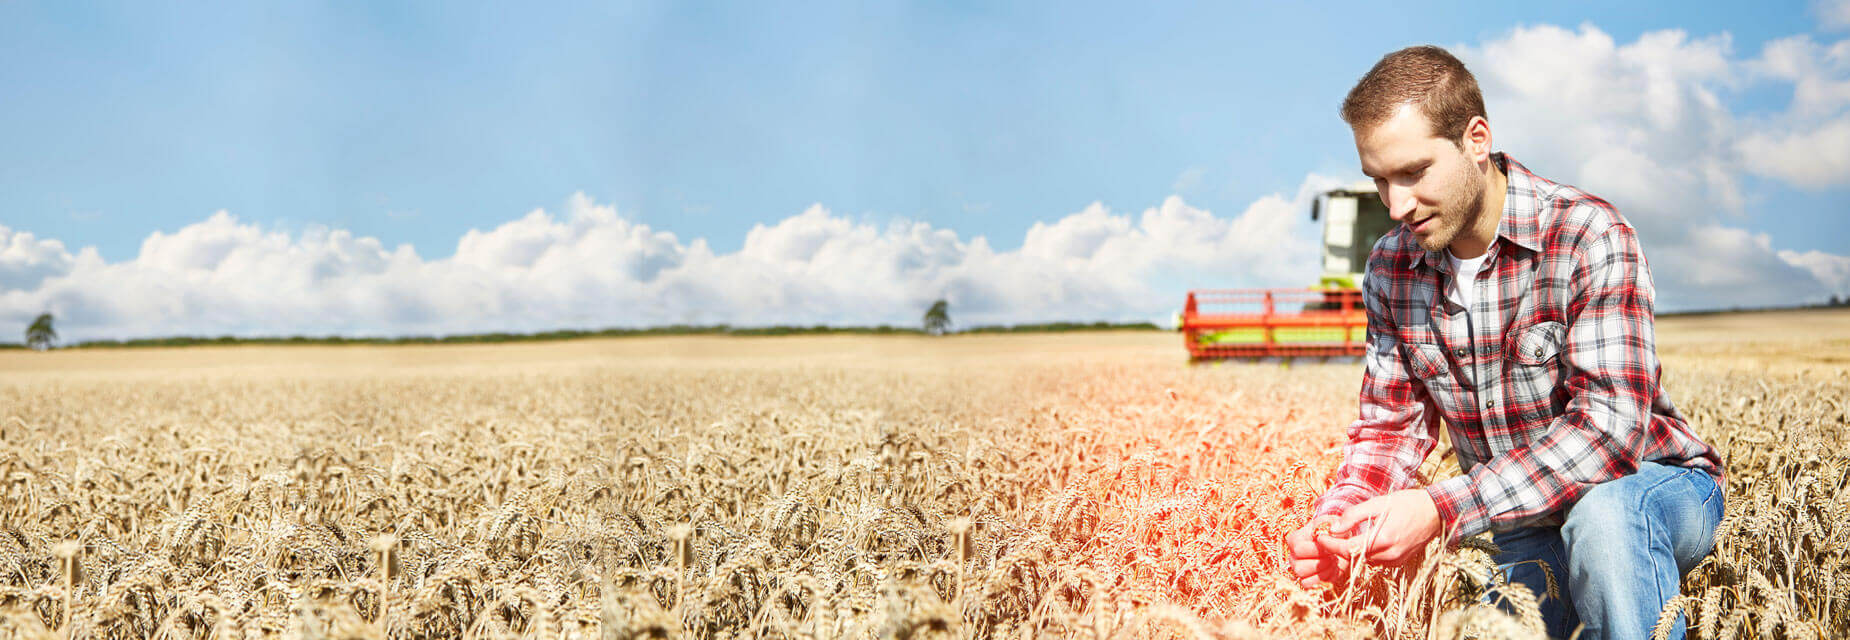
1521	222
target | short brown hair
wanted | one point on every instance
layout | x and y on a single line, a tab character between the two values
1425	75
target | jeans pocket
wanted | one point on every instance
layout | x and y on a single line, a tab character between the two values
1697	537
1706	487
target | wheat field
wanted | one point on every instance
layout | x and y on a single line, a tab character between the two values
1064	485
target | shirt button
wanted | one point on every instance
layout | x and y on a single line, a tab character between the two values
1538	353
1490	405
1459	352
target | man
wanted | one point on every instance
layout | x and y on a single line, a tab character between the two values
1519	311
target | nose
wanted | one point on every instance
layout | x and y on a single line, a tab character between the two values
1399	201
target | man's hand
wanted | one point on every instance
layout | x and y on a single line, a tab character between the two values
1391	527
1394	527
1310	563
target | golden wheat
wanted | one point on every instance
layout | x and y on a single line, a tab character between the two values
1103	497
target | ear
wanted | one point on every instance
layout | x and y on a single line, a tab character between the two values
1476	142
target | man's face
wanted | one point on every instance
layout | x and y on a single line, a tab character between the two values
1426	181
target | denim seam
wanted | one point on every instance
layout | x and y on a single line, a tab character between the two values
1676	475
1715	488
1650	527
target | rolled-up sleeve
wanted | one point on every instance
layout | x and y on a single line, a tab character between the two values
1398	424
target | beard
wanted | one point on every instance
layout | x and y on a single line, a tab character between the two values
1460	209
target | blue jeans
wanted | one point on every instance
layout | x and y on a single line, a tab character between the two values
1621	552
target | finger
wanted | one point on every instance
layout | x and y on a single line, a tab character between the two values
1325	566
1334	575
1378	535
1327	573
1302	569
1323	525
1388	548
1367	534
1330	570
1337	546
1345	525
1311	527
1301	543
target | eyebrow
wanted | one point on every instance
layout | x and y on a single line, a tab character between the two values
1417	164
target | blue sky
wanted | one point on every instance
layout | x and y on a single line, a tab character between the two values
414	123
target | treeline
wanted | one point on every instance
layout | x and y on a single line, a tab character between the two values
1834	303
573	334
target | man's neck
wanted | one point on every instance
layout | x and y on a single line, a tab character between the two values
1473	242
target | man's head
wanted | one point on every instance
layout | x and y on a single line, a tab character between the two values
1421	133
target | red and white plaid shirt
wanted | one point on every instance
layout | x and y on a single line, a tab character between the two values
1550	388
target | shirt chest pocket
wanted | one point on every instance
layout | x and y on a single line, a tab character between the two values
1428	366
1536	369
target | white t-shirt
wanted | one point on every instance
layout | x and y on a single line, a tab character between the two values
1464	277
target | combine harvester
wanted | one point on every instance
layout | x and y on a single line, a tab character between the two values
1324	322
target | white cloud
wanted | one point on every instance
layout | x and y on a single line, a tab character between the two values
1815	159
1832	270
1644	125
1741	267
588	266
1637	123
1832	14
26	261
1819	73
1809	145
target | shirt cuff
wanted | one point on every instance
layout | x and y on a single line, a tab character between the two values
1337	500
1461	511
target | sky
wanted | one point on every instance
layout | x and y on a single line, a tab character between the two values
445	167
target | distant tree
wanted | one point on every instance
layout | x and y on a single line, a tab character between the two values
40	335
1836	302
938	318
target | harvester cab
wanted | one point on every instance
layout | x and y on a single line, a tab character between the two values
1320	322
1354	219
